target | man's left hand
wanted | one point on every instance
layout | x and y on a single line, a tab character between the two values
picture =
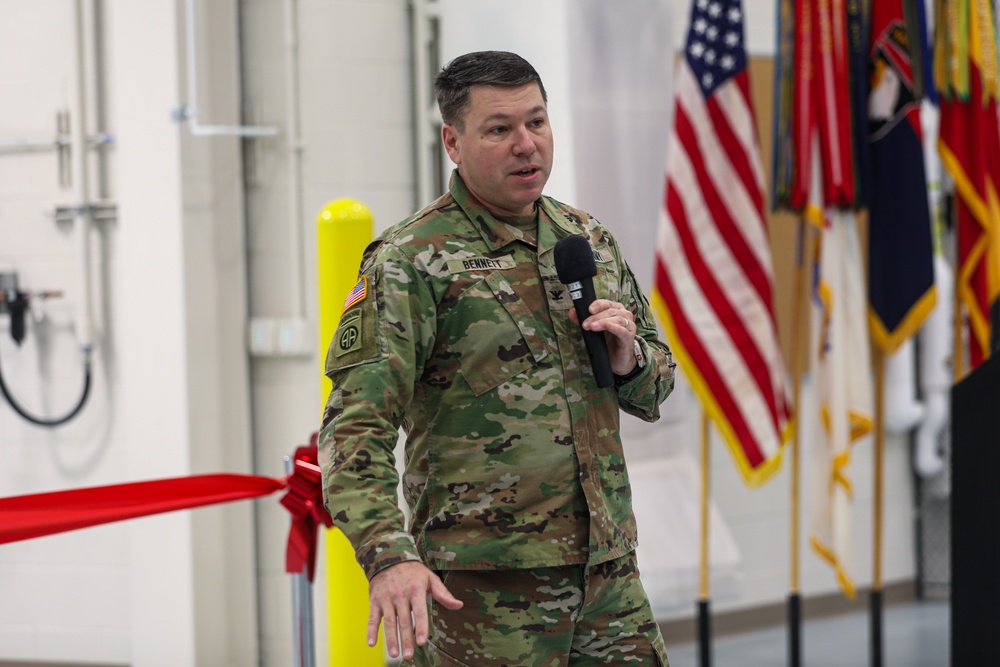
618	324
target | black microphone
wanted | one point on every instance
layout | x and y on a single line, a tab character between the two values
576	268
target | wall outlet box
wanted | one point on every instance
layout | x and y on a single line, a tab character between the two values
296	337
262	336
281	337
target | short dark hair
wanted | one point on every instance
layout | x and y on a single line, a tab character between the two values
483	68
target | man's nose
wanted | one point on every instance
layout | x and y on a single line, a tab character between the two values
524	142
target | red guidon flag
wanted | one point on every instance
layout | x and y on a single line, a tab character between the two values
831	90
969	143
713	284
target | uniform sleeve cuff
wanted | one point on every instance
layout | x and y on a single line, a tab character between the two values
386	551
638	382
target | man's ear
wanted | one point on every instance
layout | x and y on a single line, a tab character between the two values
449	137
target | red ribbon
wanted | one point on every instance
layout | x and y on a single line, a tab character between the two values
40	514
25	517
305	502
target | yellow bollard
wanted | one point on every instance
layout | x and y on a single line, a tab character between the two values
344	228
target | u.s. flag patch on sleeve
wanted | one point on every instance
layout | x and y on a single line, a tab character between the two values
357	293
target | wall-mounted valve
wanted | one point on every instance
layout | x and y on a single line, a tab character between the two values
15	302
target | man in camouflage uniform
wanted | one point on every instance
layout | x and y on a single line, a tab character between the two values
520	548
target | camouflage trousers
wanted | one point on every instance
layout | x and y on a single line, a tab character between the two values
575	615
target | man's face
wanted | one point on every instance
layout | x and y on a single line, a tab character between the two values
505	151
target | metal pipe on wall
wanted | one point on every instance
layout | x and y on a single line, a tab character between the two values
190	111
81	181
19	146
294	146
423	117
104	139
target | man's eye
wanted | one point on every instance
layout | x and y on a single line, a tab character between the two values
497	130
538	122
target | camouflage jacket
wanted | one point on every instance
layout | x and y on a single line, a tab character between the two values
459	332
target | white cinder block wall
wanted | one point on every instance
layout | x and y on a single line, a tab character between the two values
196	251
170	383
65	596
354	64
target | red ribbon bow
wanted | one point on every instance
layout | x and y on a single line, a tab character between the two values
304	501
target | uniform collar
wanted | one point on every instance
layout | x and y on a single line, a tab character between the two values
560	225
552	224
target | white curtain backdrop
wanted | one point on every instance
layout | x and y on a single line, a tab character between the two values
621	71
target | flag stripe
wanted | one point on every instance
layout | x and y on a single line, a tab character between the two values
735	192
708	372
718	235
720	244
803	121
745	123
708	258
720	213
715	347
731	206
726	117
742	364
750	328
833	105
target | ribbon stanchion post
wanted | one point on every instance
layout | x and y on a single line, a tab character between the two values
303	624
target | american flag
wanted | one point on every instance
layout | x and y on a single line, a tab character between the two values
713	283
357	293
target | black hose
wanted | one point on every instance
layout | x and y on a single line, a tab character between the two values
51	423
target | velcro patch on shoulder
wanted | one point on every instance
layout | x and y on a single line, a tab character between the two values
357	294
356	339
350	333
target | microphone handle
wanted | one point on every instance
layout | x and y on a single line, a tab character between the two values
597	346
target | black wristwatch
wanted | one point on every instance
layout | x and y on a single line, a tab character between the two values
640	363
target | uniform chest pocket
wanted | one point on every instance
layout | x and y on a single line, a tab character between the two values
494	334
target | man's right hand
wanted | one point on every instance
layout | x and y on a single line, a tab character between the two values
399	599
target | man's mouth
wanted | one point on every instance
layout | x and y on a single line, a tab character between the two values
526	172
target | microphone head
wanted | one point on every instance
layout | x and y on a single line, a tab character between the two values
574	259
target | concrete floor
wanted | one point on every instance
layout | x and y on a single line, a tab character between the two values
914	635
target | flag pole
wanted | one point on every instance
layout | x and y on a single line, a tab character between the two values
794	601
958	349
876	595
704	618
958	359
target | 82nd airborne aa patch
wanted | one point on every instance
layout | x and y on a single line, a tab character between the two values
349	332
